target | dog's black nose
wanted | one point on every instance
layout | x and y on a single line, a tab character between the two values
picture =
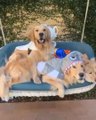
81	74
41	34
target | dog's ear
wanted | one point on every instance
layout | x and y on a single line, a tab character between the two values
48	34
85	59
68	72
30	33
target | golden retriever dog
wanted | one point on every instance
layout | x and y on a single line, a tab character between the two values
62	72
21	66
37	35
90	69
20	71
41	38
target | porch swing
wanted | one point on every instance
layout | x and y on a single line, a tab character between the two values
30	89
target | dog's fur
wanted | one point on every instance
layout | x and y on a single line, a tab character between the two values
90	68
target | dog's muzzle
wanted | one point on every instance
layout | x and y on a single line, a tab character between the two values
42	39
81	75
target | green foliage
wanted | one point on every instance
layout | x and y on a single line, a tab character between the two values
17	14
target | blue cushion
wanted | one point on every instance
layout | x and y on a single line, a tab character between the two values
44	86
7	50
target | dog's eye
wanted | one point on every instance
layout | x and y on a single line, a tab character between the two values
90	73
74	66
36	30
44	29
84	70
81	65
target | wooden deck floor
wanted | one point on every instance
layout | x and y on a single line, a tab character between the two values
55	110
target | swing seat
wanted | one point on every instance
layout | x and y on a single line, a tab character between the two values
30	89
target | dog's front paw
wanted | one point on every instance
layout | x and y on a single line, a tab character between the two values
61	93
5	98
66	84
37	80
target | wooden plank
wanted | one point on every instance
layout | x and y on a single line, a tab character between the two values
55	110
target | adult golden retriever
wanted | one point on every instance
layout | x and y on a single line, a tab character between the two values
21	66
75	74
40	35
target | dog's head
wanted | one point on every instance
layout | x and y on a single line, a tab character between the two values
90	74
39	34
90	69
76	73
72	66
85	59
93	62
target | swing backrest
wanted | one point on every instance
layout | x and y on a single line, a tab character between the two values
7	50
78	46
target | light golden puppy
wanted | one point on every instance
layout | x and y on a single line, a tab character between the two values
90	75
93	63
41	38
90	69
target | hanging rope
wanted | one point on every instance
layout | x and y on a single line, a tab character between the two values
83	29
3	36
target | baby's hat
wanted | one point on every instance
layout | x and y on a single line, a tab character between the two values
71	59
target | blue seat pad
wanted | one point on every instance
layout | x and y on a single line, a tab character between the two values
44	86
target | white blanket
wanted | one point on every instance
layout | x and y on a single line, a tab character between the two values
30	45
